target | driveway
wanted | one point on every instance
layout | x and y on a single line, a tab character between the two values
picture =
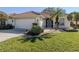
6	34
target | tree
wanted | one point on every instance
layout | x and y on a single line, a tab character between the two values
70	18
75	17
55	13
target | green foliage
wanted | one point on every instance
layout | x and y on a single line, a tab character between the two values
75	15
35	30
72	30
54	13
53	10
69	17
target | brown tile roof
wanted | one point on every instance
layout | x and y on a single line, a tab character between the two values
30	14
45	15
25	15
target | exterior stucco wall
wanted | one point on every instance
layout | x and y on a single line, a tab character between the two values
27	23
64	23
41	22
54	23
67	23
44	23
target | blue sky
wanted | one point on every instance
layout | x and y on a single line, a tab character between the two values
20	9
37	9
71	9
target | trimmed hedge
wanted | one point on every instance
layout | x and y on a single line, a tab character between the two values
71	30
35	30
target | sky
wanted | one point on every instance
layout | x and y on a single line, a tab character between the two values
36	9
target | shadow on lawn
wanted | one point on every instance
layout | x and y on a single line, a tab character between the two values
34	38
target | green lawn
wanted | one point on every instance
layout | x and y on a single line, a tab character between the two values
66	41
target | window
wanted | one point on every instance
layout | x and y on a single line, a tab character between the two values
61	22
37	20
12	20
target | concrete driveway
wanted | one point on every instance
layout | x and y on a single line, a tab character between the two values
6	34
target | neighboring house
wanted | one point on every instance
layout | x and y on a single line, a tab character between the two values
25	20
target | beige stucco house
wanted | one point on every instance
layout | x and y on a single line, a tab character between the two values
25	20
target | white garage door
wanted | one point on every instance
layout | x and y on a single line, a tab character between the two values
24	23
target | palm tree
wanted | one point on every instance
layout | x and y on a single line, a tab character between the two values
77	18
70	18
59	12
55	13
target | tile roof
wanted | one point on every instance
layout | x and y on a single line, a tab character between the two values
45	15
25	15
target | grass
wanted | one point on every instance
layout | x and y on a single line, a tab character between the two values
58	42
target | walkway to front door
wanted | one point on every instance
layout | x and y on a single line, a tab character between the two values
52	31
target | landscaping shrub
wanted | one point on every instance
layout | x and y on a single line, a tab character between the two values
73	30
72	24
9	26
35	30
77	26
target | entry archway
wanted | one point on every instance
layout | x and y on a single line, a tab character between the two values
49	23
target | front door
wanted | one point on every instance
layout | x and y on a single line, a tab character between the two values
49	23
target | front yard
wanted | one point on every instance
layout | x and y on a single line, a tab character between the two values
65	41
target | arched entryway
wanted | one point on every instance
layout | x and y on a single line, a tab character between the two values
49	23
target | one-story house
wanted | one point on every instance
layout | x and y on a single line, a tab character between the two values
26	19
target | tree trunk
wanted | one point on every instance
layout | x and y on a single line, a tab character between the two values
57	23
76	23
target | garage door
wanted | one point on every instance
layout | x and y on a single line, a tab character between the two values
24	23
